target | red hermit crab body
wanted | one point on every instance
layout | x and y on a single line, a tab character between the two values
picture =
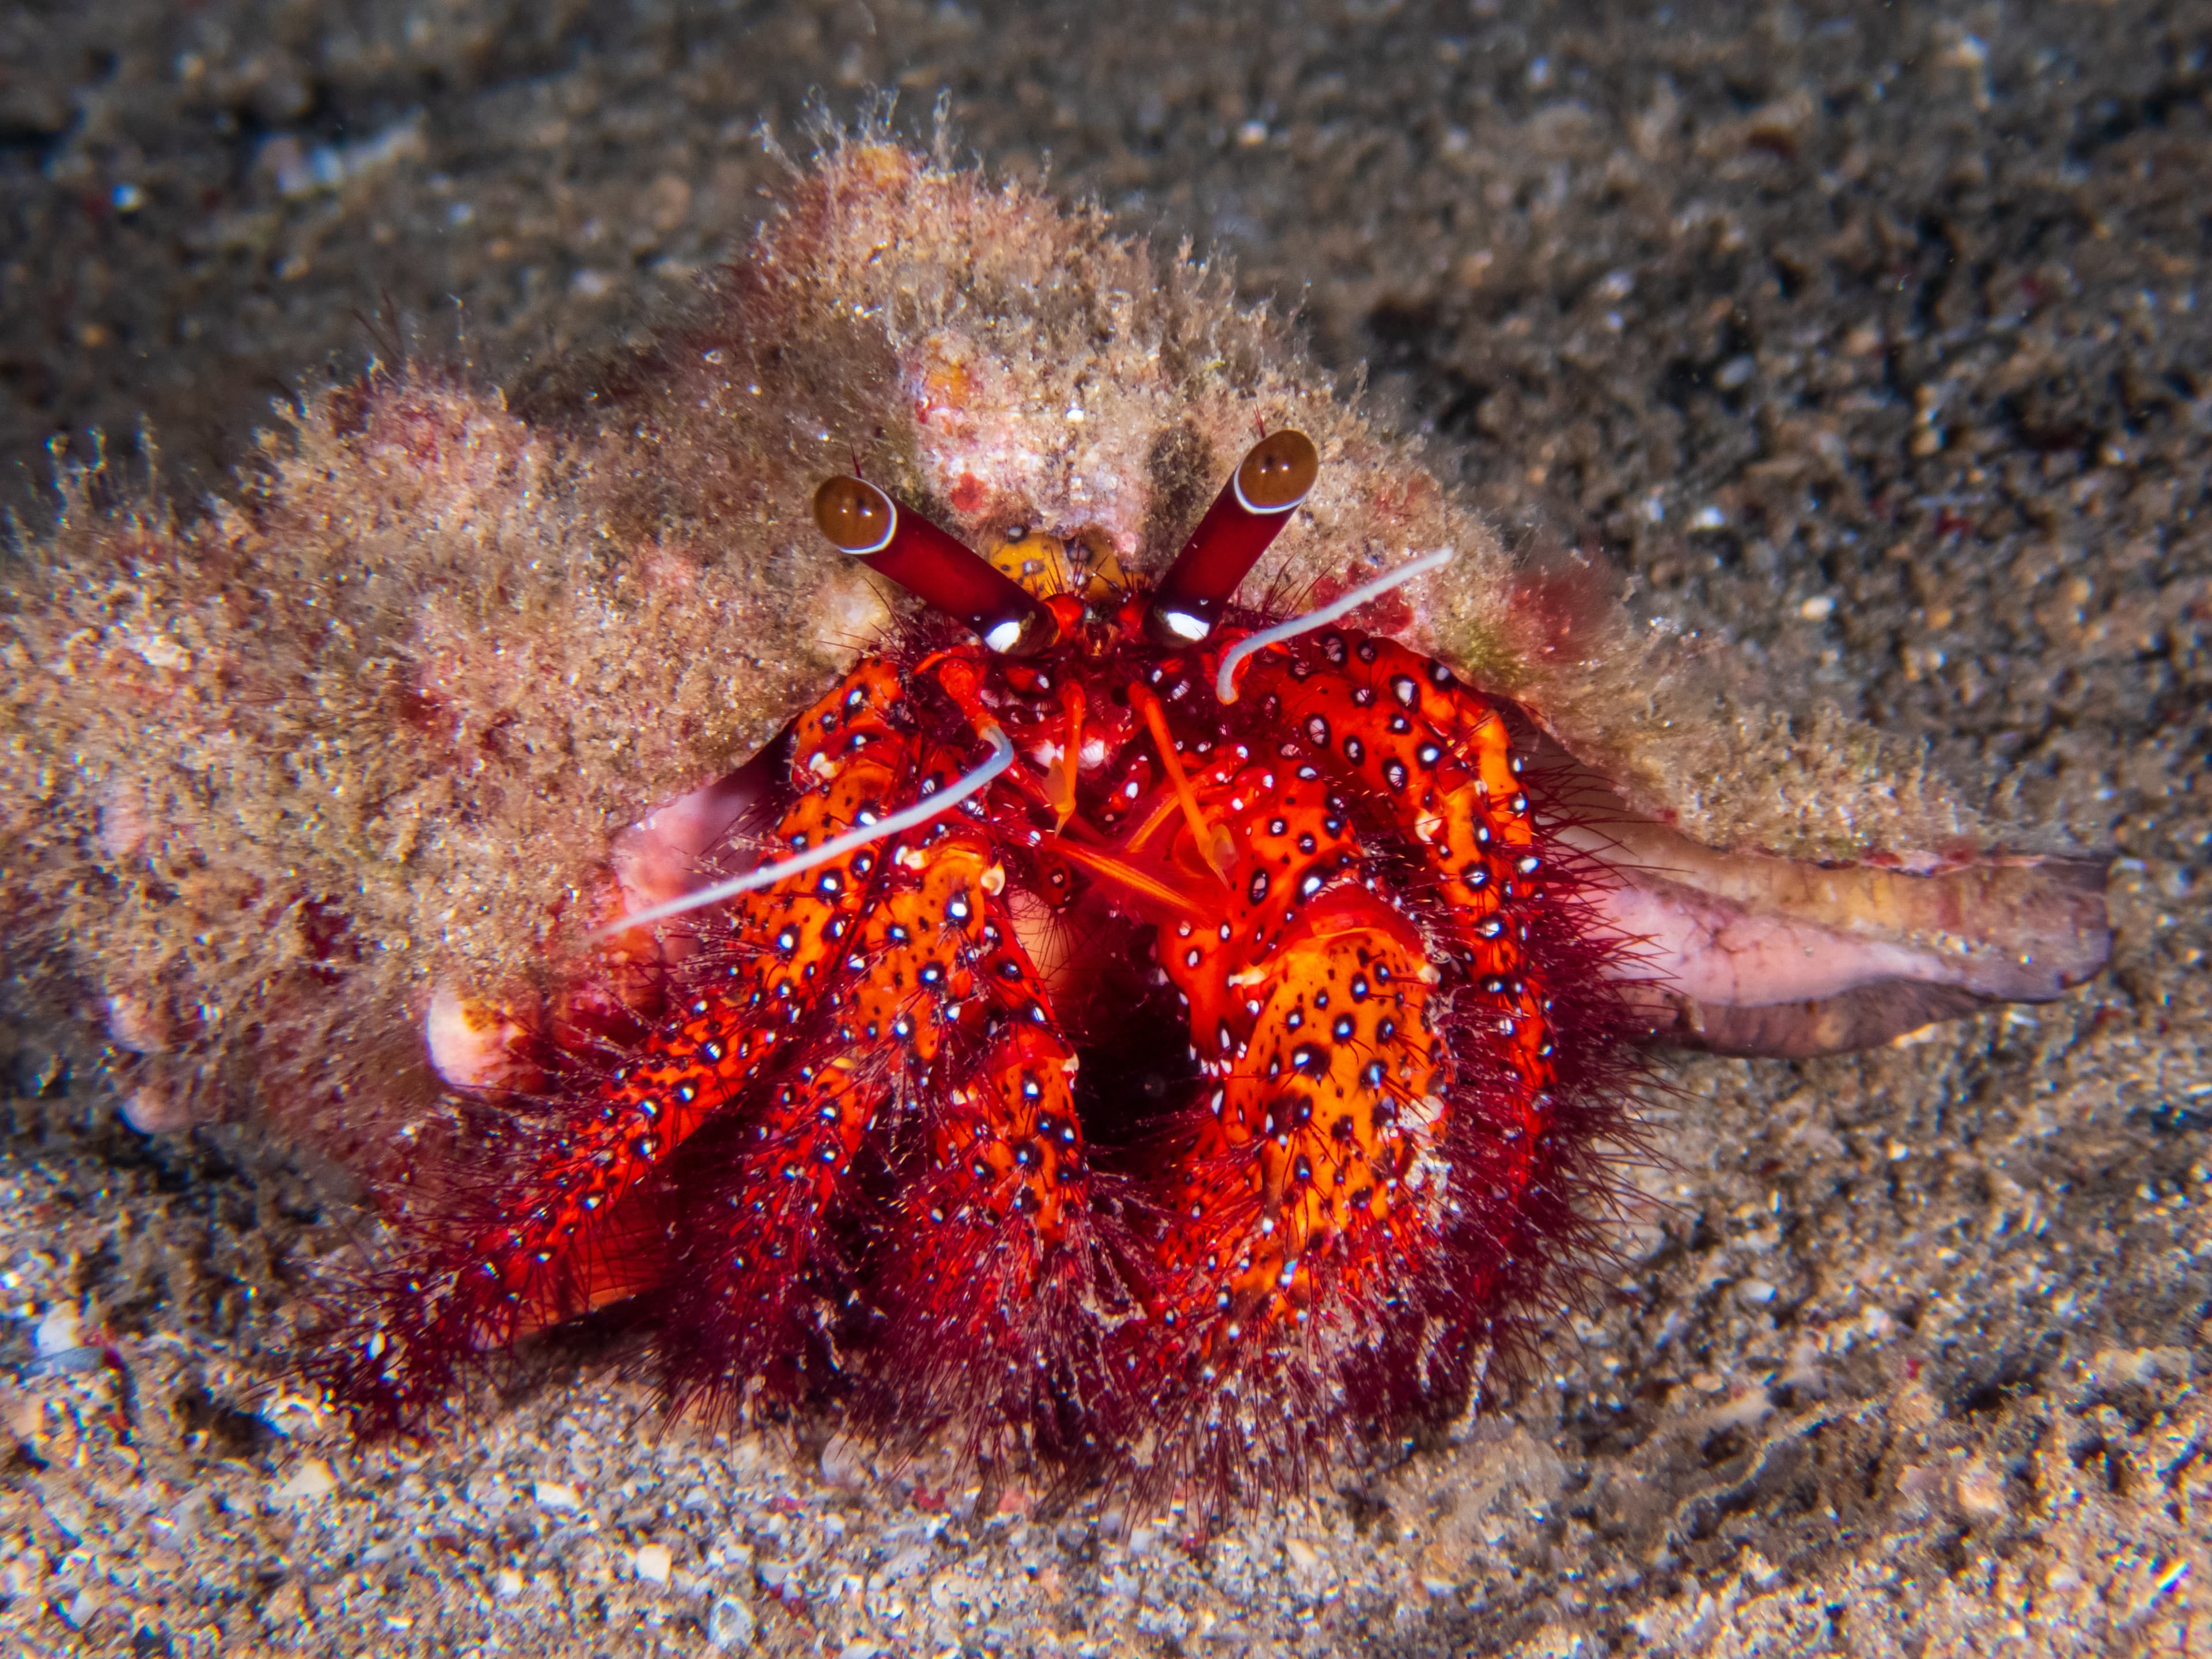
1152	1032
1145	1025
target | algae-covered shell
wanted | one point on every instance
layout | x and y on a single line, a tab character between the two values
280	766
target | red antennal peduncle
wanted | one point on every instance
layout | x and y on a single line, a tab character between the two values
1252	505
932	565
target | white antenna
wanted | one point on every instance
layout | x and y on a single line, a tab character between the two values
766	875
1225	684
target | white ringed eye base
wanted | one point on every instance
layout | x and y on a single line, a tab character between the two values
1236	484
891	528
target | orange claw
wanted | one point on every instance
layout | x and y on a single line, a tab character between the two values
991	1279
1342	1140
1307	1164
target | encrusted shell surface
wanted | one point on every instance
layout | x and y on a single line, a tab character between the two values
279	766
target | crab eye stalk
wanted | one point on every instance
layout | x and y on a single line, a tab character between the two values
1255	503
932	565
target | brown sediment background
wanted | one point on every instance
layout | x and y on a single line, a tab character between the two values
1871	346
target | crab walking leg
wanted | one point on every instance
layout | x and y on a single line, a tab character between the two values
875	1042
759	1244
1302	1190
724	1035
587	1230
994	1246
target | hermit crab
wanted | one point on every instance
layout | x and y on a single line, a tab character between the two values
961	833
1109	841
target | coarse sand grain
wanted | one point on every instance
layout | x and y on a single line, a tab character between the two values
1868	342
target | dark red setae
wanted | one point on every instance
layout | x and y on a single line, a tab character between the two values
1212	1077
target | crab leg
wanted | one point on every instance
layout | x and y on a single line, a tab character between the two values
1379	1042
993	1241
726	1035
932	1048
888	1006
589	1232
993	1245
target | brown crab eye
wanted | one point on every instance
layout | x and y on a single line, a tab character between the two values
1278	472
931	564
1248	514
857	517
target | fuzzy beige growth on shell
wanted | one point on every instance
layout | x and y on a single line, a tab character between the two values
277	764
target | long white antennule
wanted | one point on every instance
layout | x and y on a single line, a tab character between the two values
766	875
1225	684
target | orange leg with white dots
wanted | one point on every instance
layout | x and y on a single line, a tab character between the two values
840	993
1356	1019
927	1037
582	1241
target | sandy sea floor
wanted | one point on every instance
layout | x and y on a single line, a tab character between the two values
1873	343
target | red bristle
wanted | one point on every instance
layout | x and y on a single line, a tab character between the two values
1393	1063
990	1256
